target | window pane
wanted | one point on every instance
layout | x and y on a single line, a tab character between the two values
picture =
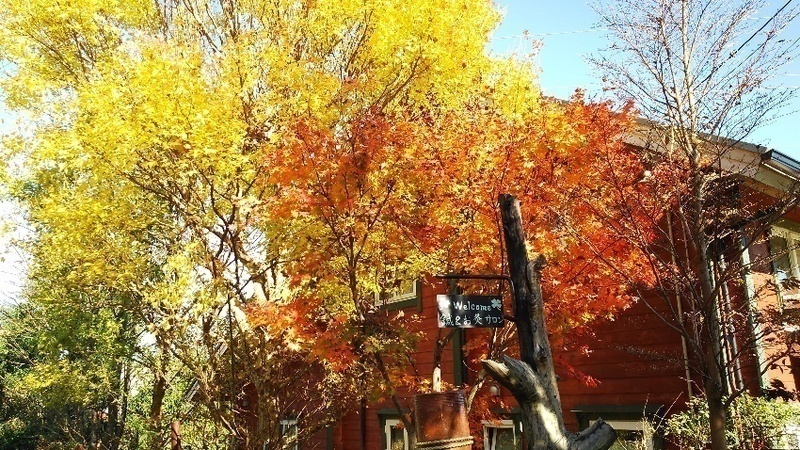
780	251
630	440
500	438
395	435
405	290
398	439
504	439
794	252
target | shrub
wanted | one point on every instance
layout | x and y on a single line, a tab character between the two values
753	423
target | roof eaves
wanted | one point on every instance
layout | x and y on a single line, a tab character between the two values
781	162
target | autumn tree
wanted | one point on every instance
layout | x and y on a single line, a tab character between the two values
73	374
395	196
700	73
550	157
153	127
243	178
99	280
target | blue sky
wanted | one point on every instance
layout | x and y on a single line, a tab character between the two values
568	32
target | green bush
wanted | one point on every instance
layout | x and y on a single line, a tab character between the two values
753	423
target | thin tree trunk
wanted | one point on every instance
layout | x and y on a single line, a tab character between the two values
157	400
716	418
406	418
362	411
438	350
126	391
113	428
713	378
532	379
159	391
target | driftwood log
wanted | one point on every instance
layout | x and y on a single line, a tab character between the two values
532	379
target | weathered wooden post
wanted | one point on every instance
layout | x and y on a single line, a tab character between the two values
532	380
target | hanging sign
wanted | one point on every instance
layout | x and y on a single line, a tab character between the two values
470	311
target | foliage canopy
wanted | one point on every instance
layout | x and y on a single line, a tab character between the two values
239	179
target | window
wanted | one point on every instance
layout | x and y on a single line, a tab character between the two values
633	424
501	435
404	295
395	435
288	431
784	247
632	435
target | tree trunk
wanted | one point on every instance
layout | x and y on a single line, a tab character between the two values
113	430
157	400
159	391
716	419
438	350
532	380
714	379
714	385
362	411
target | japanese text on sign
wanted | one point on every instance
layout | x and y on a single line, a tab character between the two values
469	311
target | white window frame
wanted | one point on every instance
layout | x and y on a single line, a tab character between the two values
635	425
398	297
504	424
387	430
793	249
288	424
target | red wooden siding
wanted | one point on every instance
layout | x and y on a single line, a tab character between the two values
624	377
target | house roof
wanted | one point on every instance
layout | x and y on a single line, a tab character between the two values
781	161
764	165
